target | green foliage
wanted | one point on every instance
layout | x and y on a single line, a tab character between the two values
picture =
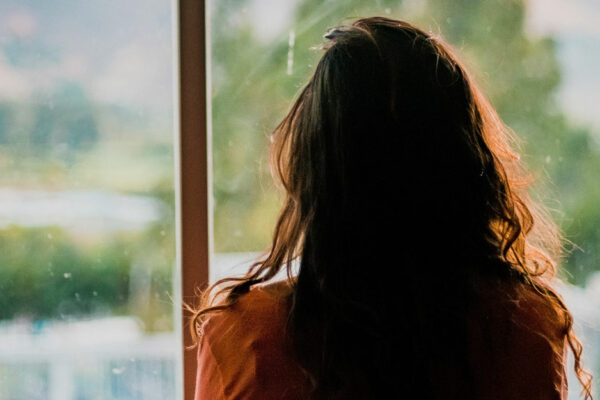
44	274
243	114
153	252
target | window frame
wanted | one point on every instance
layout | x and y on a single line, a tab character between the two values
193	161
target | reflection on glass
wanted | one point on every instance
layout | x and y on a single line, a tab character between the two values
537	68
86	200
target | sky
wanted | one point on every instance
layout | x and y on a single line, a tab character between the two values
576	26
121	51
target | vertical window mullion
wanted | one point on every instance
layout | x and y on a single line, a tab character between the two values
194	168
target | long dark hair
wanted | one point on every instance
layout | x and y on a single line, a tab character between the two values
404	199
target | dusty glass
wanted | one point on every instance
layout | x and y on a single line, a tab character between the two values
86	200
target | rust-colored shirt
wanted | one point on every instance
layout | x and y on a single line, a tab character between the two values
242	353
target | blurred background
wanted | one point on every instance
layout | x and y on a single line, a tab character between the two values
87	249
87	244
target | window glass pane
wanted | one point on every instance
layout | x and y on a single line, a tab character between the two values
86	200
535	60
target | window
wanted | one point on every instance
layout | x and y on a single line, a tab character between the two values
87	226
88	192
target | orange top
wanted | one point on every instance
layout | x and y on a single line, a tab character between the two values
242	354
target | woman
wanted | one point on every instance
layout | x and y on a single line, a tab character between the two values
421	273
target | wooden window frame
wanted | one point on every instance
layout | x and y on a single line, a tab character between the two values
193	160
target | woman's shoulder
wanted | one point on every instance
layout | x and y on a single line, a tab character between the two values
517	341
534	307
258	313
543	304
243	351
525	299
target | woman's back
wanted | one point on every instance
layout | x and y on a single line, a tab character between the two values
516	349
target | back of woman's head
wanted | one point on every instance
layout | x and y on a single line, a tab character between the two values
387	146
402	192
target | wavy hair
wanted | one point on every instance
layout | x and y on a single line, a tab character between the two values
403	194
